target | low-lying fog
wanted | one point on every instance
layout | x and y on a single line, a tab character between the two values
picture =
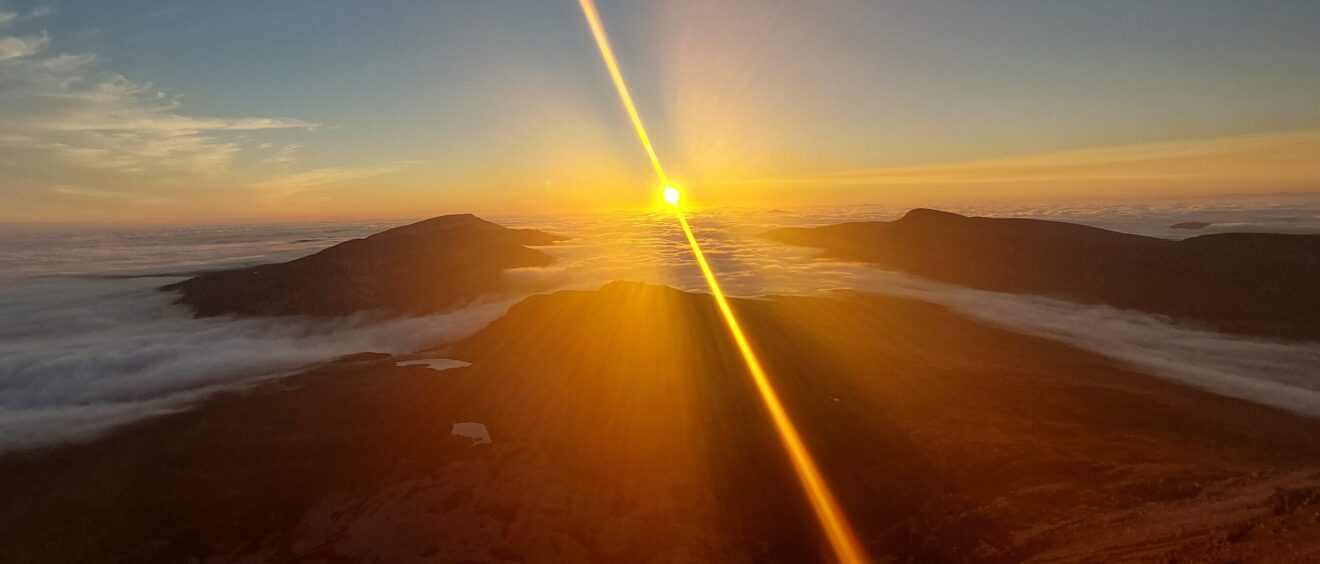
87	342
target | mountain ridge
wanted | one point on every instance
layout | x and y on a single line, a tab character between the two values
1265	285
429	266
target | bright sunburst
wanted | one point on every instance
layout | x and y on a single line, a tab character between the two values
671	195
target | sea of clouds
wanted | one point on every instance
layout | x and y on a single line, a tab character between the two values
1275	373
88	341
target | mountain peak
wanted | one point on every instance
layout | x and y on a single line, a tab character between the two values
430	266
924	215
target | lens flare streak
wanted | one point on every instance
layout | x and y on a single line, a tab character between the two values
612	65
832	520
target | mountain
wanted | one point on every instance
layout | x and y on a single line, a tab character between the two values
1247	283
430	266
623	427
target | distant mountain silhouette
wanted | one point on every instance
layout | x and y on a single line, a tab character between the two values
1247	283
433	265
1190	225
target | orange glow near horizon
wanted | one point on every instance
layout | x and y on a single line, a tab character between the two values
832	520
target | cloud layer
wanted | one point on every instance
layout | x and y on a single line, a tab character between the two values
125	352
650	248
61	109
76	139
1250	163
86	342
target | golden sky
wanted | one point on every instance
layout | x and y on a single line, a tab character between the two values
149	112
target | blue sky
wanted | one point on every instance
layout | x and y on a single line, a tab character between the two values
338	108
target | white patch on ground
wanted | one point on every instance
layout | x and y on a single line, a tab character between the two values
436	364
475	431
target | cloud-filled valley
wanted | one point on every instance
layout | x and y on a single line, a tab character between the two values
89	341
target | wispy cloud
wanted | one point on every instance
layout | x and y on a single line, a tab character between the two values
64	121
285	156
60	106
14	46
1268	158
81	192
318	179
41	12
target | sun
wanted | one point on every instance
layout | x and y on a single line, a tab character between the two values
671	195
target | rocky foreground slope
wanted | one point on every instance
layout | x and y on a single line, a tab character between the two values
1248	283
426	267
625	429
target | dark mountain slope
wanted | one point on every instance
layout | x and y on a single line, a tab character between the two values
1248	283
426	267
626	429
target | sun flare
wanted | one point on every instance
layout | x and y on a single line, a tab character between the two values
671	195
828	513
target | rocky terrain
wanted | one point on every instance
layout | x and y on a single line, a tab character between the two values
1247	283
427	267
624	428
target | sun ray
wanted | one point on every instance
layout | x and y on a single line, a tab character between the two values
826	508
